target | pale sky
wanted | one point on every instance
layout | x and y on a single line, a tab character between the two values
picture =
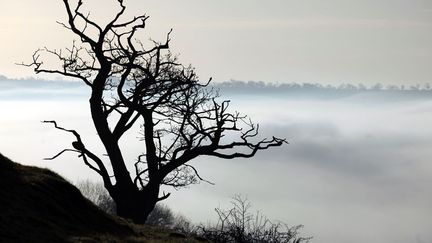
348	175
334	41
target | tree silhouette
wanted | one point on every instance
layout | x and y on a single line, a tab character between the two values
132	85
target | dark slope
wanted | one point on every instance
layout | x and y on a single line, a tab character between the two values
37	205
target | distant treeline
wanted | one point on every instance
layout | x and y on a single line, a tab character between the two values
319	91
39	89
235	84
31	83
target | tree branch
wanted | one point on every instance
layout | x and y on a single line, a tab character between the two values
84	153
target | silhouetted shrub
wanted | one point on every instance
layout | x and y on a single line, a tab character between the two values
96	193
160	216
184	225
238	224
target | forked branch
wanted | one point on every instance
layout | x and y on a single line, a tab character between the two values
84	153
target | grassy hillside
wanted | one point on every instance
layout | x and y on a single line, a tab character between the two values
37	205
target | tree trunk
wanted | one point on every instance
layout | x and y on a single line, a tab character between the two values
135	204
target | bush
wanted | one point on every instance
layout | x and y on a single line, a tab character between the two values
237	224
160	216
183	225
96	193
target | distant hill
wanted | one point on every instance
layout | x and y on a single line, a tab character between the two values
38	89
37	205
316	90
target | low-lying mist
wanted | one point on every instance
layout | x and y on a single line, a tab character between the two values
356	169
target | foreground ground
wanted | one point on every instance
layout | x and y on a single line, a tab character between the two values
37	205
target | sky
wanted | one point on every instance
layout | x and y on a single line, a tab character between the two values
330	42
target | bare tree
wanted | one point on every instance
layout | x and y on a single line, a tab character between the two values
131	84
